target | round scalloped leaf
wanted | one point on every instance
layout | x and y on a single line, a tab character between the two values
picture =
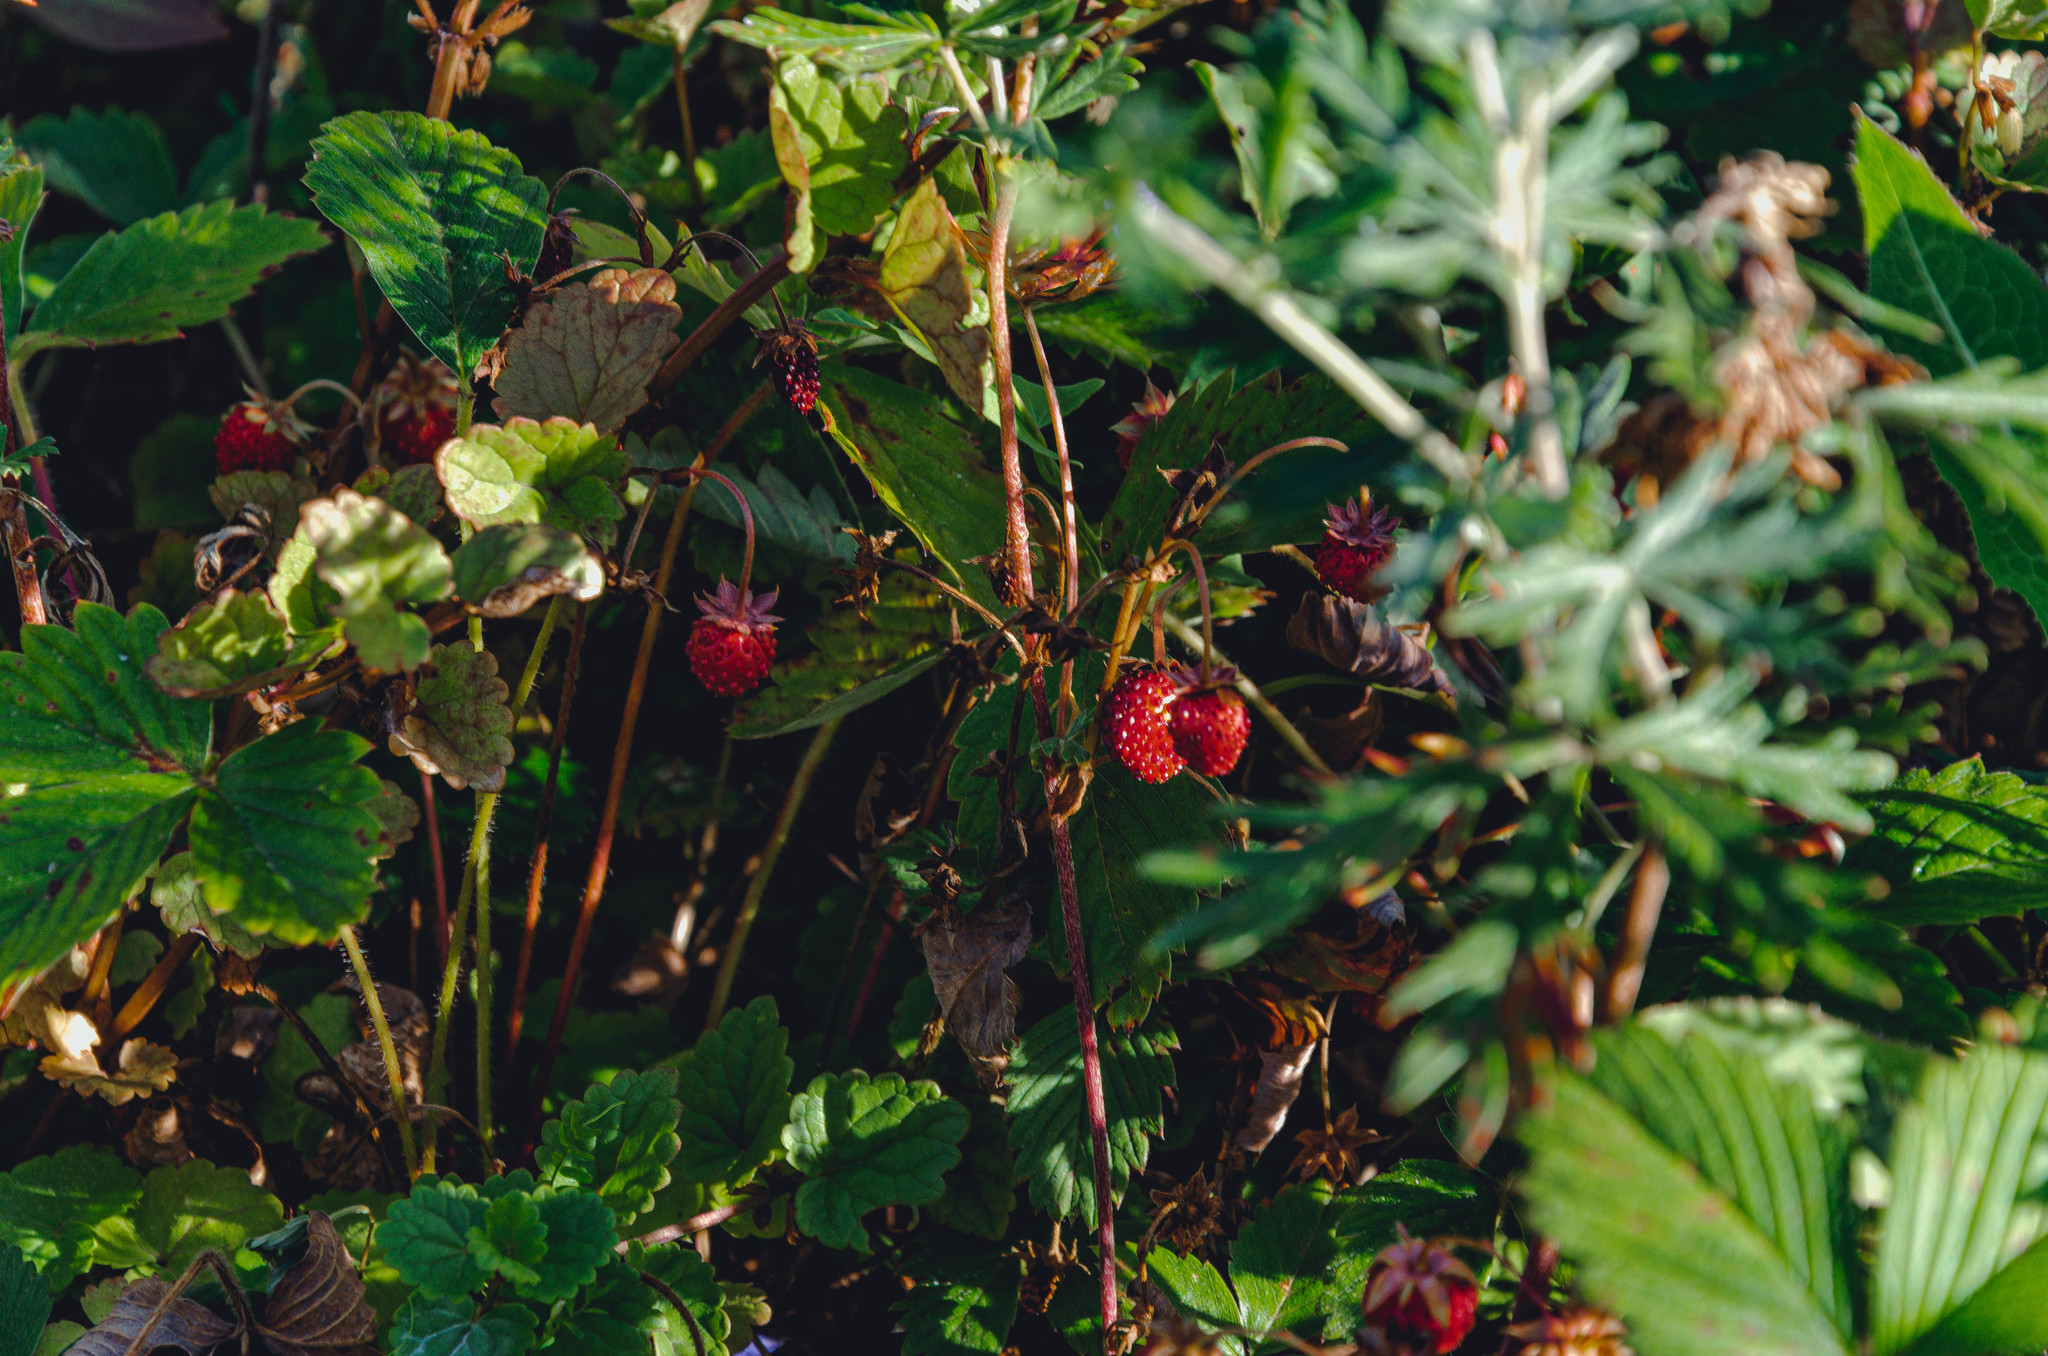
426	1238
181	900
452	1327
185	1210
397	815
554	471
460	722
734	1087
617	1140
865	1143
581	1232
504	570
378	561
587	352
413	490
234	642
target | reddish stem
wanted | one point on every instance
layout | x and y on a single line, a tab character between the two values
732	308
440	872
746	518
14	535
537	872
1017	536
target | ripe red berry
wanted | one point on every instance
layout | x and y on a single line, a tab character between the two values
415	406
413	436
1358	540
1210	725
792	353
1419	1297
732	646
1138	714
254	437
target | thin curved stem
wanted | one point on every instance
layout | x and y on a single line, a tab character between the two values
1072	590
639	217
1253	464
536	873
662	1288
1202	594
991	618
732	308
374	1005
324	384
746	518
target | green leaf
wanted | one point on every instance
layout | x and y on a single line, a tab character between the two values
426	1326
734	1089
1198	1291
1654	1243
852	662
277	493
864	1143
1049	1115
502	571
556	472
851	138
49	1207
806	526
1956	845
21	195
964	1302
696	1284
434	211
116	163
926	468
376	560
511	1241
1106	77
849	47
185	1210
285	839
2004	1317
580	1235
459	725
2024	19
617	1141
426	1238
280	1116
587	352
96	771
233	642
981	1192
24	1304
163	275
1964	1189
611	1315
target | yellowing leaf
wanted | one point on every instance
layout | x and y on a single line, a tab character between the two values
587	352
924	276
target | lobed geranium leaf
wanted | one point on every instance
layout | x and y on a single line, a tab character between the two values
459	723
1049	1118
24	1304
587	352
115	162
965	1299
614	1313
426	1237
512	1240
555	471
734	1090
376	561
580	1233
982	1191
426	1326
96	771
234	642
154	279
864	1143
50	1207
436	212
504	570
183	1211
617	1140
696	1284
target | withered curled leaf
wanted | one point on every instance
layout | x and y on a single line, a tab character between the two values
186	1325
1280	1075
317	1307
970	956
1356	638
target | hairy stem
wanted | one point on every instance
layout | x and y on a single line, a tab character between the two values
374	1005
329	1066
1016	533
750	905
14	535
536	873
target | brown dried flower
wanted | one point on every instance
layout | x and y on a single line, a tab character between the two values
1185	1217
1577	1331
1333	1153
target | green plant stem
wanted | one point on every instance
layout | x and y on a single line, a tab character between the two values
375	1007
799	786
515	1021
465	408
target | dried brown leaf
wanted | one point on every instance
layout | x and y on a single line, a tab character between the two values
969	956
186	1324
587	352
1354	637
317	1307
1280	1075
924	276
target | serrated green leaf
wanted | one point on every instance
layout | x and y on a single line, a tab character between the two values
849	47
434	210
864	1143
96	769
587	352
21	195
617	1140
696	1284
426	1237
853	661
2024	19
376	561
504	570
982	1191
580	1234
24	1304
1956	845
926	468
1106	77
1049	1115
49	1207
160	276
425	1326
734	1090
964	1302
556	472
460	722
851	138
183	1211
114	162
234	642
806	526
612	1314
178	894
511	1241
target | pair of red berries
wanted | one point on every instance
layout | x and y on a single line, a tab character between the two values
732	646
1162	720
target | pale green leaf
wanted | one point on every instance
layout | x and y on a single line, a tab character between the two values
459	724
376	561
850	47
851	138
49	1207
234	642
556	472
504	570
185	1210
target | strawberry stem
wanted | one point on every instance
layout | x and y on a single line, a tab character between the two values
1202	593
746	517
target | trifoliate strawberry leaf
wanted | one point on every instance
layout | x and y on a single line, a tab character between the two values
864	1143
96	771
806	526
896	39
556	472
587	352
50	1206
504	570
1956	845
459	722
185	1210
234	642
178	895
427	1326
426	1237
511	1241
1049	1114
734	1089
581	1232
149	282
924	277
115	162
284	839
617	1141
377	561
851	139
435	212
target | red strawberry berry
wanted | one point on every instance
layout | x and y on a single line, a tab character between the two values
1139	720
1419	1298
1210	724
792	352
1358	540
413	436
255	437
732	645
415	406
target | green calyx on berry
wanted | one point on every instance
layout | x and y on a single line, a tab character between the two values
732	646
1357	541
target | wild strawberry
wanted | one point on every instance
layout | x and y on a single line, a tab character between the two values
257	436
1210	725
415	410
1130	429
792	351
1358	539
1419	1297
732	645
1140	724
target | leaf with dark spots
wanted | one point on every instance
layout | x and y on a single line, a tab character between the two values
186	1324
317	1307
970	956
1355	638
